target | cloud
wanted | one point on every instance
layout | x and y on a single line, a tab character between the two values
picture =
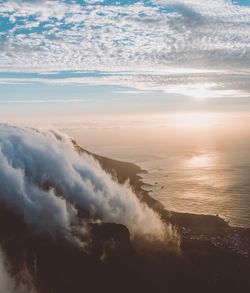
7	283
65	35
185	81
46	181
59	35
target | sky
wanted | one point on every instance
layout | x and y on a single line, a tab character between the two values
68	59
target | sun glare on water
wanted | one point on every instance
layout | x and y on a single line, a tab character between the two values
201	160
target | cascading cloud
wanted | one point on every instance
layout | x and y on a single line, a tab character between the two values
45	180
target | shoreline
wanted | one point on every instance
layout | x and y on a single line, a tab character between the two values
192	227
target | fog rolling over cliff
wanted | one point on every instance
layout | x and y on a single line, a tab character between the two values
46	181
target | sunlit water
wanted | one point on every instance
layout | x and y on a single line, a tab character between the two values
204	183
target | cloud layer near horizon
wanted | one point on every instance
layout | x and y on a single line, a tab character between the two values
46	180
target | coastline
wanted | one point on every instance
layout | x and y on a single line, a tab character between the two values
211	229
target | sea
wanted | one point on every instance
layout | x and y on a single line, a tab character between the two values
207	182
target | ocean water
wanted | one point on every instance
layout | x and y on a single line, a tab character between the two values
205	182
200	181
